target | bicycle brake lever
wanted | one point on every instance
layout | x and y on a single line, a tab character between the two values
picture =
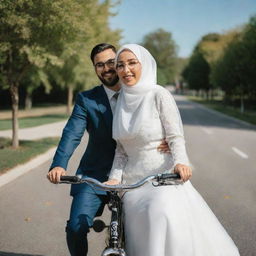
166	183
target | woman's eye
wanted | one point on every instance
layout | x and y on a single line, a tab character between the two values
119	65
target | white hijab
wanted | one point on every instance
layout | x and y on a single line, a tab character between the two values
132	108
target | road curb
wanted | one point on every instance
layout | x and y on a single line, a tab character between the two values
19	170
249	125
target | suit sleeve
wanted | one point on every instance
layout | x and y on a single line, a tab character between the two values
72	134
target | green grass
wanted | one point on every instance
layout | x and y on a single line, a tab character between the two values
33	121
10	157
247	116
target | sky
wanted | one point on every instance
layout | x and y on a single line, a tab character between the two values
187	20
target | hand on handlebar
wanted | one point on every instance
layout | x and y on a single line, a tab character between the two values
112	182
55	174
184	171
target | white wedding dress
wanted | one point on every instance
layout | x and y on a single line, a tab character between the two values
168	220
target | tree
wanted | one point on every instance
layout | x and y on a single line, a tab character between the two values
180	64
77	71
32	80
231	76
205	54
249	56
235	69
212	45
163	48
196	73
34	34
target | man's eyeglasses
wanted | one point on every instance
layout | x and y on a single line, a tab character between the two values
131	65
101	65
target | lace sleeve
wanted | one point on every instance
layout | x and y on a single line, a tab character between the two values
171	121
119	163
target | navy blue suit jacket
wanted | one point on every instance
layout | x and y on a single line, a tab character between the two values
92	112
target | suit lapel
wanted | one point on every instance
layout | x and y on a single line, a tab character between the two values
104	107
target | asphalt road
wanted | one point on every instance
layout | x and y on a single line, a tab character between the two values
33	212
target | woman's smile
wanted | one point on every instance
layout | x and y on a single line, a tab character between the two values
128	68
128	77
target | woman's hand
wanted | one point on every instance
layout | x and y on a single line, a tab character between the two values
184	171
55	174
112	182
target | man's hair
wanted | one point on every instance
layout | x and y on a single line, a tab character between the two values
100	48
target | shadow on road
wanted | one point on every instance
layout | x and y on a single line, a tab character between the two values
17	254
196	114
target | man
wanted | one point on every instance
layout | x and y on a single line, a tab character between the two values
93	112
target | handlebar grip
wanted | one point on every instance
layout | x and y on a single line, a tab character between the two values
170	176
70	178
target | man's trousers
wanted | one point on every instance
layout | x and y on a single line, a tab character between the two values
85	206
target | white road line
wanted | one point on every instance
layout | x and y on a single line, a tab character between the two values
240	153
206	130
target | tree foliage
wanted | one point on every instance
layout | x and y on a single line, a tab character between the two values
213	47
231	59
196	73
163	48
36	35
234	71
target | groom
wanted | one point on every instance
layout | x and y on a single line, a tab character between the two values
92	112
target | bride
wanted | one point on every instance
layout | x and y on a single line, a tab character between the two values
159	221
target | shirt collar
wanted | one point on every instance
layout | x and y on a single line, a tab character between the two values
110	93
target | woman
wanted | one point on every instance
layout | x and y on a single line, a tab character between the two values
167	220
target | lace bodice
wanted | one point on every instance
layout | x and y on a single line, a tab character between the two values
138	157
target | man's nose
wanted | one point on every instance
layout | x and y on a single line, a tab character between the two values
106	68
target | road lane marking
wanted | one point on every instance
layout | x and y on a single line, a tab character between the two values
240	153
206	130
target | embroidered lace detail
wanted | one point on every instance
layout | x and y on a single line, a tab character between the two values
138	157
120	161
171	120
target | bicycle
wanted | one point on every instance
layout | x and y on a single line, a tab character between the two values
116	232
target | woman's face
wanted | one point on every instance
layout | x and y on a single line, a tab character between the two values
128	68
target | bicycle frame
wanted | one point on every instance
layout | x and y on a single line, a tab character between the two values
116	227
116	245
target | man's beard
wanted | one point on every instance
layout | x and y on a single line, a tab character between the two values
111	82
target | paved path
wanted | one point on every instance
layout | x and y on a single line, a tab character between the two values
222	151
33	214
38	132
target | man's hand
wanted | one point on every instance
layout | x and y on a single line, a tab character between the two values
184	171
163	147
55	174
112	182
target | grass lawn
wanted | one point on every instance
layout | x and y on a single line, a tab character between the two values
247	116
10	157
26	122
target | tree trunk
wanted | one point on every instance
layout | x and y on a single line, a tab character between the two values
207	94
70	99
28	101
15	107
242	103
212	94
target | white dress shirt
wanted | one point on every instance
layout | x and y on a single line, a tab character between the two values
112	100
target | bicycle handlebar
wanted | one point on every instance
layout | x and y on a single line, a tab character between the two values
119	187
